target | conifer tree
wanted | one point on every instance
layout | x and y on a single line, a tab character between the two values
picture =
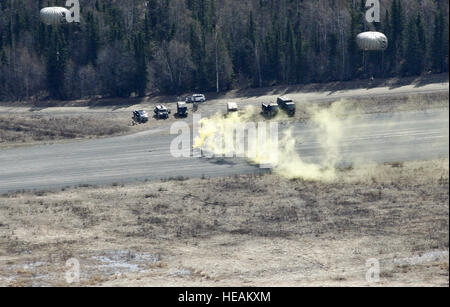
92	38
56	64
438	45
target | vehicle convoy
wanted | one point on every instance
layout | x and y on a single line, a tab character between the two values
287	105
232	107
182	110
140	117
161	112
270	109
196	98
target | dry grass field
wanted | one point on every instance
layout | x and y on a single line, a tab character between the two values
32	128
254	230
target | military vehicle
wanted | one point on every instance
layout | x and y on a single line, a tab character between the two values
161	112
270	109
182	110
287	105
140	116
232	107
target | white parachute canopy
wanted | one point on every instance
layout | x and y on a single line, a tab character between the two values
54	15
372	41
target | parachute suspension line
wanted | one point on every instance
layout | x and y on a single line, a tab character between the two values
364	62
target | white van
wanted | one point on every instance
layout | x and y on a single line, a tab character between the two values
196	98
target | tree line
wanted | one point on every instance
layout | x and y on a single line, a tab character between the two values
126	48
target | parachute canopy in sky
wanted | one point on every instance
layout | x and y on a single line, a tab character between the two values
54	15
372	41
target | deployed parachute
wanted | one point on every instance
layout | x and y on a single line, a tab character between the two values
372	41
54	15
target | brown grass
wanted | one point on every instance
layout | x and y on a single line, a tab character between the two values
258	230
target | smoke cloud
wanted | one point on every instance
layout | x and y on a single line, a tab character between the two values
334	135
219	135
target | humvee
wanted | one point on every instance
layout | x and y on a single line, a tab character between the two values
182	110
161	112
270	109
140	116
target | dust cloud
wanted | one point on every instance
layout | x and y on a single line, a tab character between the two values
327	141
218	135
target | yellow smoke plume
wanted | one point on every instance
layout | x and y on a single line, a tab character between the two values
328	130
